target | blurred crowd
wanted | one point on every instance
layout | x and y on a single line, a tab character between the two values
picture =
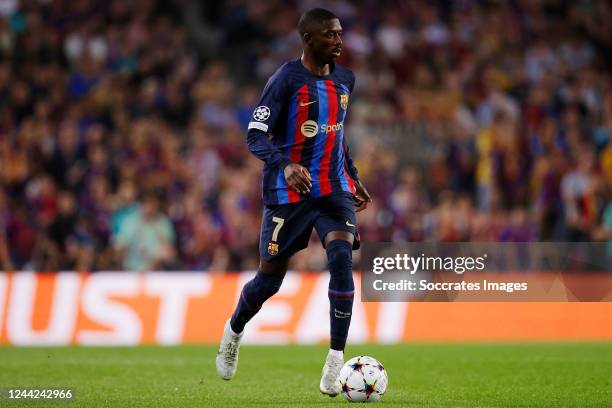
123	125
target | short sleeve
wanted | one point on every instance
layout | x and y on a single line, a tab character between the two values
271	103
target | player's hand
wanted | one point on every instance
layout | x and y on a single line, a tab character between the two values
298	178
362	197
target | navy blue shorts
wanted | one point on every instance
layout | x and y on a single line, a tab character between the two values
286	228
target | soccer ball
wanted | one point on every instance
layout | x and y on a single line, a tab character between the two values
363	379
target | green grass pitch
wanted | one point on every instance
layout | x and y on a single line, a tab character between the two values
420	375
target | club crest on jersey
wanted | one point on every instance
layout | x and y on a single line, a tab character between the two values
344	101
272	248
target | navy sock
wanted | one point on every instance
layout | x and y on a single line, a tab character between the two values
341	290
254	293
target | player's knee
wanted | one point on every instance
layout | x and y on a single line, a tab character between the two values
340	259
269	284
339	253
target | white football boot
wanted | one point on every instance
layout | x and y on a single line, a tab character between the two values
329	384
227	356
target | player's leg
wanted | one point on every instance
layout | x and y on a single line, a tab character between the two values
339	247
254	293
263	286
336	227
285	230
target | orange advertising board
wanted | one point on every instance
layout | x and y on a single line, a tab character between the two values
122	308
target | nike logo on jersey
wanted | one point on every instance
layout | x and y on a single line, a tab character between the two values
302	104
349	224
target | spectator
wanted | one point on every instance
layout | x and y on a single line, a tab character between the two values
145	241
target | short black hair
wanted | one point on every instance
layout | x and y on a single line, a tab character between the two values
313	18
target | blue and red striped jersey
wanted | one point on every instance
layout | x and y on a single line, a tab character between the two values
302	115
